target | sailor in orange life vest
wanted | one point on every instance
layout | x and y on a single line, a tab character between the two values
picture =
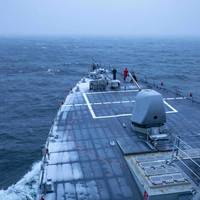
125	73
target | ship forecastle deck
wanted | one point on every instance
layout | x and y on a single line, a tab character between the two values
92	136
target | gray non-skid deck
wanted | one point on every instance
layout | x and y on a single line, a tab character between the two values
86	161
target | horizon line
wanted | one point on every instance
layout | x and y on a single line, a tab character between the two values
99	36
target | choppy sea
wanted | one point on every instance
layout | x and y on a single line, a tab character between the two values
36	74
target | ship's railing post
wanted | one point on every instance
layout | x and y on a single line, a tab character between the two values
177	145
174	149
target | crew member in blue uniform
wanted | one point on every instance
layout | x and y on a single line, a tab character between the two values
114	72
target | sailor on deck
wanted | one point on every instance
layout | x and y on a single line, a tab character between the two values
114	72
125	73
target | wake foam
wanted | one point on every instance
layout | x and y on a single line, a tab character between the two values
24	189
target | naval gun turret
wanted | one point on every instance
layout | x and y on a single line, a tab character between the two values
149	115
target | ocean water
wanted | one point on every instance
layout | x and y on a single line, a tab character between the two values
36	74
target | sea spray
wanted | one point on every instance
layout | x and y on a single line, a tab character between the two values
24	189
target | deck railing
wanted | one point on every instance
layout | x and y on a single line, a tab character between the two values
176	91
184	153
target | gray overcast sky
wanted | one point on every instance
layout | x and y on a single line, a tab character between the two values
100	17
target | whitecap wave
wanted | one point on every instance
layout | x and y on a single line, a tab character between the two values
24	189
53	71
